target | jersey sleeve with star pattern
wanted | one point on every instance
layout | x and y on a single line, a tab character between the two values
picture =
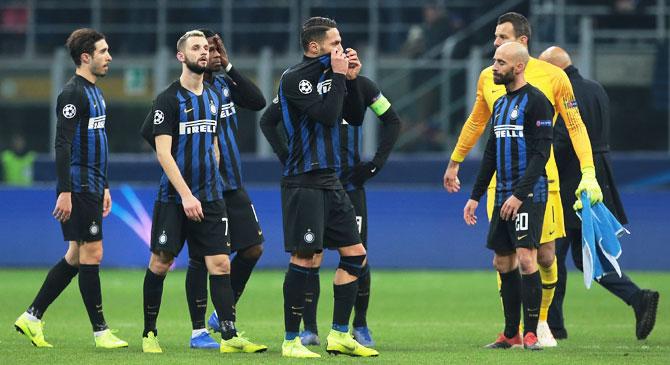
71	111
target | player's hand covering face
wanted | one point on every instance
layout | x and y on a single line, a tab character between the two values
214	64
222	50
354	64
338	61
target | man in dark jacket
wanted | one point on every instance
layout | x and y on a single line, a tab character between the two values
593	106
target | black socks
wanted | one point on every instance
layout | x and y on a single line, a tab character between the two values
345	296
89	286
510	292
295	284
224	304
153	292
532	298
312	300
240	271
362	299
58	278
196	292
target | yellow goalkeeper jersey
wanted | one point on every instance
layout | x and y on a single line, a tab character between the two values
555	85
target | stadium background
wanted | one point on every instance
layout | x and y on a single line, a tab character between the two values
425	56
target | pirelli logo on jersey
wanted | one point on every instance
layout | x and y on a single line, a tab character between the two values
504	131
97	122
228	110
324	86
198	126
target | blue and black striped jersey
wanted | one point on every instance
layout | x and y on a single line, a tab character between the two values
350	134
192	121
229	163
518	146
81	140
311	98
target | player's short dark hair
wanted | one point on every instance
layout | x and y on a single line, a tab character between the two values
207	32
518	21
82	41
314	30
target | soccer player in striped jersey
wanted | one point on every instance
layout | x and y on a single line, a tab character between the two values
517	151
83	191
353	174
190	204
314	96
555	85
246	236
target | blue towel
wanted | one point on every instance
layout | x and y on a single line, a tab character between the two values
600	240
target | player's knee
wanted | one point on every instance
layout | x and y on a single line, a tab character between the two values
72	257
252	253
160	263
90	254
352	264
504	262
304	254
527	264
545	258
353	250
219	266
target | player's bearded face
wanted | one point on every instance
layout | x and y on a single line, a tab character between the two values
195	63
500	77
100	59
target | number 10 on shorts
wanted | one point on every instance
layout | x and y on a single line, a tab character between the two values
522	222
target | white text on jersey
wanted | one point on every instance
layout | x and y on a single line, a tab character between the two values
503	131
198	126
97	122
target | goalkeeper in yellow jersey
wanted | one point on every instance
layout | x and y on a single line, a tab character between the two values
555	85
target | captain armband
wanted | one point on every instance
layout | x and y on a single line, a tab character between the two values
380	105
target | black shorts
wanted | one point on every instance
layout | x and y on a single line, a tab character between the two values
170	227
85	223
245	231
506	236
315	219
359	202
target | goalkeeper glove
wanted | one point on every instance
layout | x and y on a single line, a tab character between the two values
589	184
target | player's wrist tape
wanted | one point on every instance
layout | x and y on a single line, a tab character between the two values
230	65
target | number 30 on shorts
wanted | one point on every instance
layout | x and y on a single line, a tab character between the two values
522	222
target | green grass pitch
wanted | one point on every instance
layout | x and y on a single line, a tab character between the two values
418	317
